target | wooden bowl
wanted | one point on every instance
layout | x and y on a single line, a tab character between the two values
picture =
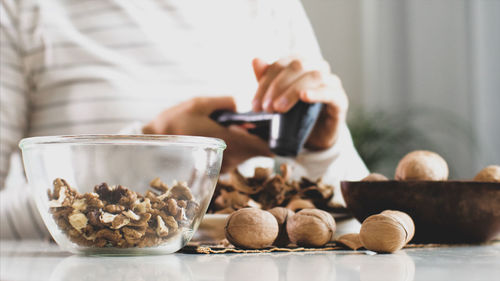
443	211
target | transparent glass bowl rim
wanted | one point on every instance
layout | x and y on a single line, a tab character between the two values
159	140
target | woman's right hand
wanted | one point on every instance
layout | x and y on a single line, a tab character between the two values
192	117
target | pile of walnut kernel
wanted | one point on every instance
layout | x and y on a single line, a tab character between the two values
266	191
115	216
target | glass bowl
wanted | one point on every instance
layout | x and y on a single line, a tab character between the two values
122	194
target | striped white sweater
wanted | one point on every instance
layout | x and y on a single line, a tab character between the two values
98	66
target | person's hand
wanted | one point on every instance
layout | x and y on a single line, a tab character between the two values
283	83
193	118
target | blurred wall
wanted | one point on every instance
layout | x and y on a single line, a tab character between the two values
442	54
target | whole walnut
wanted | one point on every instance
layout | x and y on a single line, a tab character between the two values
311	228
375	177
386	232
282	215
422	165
251	228
405	220
489	174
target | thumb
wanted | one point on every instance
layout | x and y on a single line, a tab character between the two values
259	67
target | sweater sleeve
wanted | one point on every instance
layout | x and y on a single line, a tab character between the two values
18	215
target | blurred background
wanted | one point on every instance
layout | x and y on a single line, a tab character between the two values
420	74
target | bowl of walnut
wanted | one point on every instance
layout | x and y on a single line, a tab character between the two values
122	194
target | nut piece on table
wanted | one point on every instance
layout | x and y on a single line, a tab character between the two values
375	177
422	165
386	232
350	240
489	174
251	228
282	215
311	228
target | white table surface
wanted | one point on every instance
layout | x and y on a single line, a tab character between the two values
35	260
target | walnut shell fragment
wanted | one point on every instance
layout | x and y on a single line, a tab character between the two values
267	191
233	199
351	240
285	171
261	174
240	184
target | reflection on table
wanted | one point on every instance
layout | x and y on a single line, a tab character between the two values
30	260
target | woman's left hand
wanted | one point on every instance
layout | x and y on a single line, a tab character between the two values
283	83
